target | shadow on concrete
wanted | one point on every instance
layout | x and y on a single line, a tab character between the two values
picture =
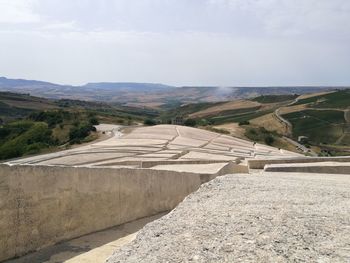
97	246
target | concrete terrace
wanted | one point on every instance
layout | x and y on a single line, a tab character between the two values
162	147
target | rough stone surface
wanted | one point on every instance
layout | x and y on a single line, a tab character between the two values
238	218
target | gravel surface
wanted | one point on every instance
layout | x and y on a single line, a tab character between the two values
252	218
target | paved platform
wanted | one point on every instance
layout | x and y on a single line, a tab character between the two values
277	217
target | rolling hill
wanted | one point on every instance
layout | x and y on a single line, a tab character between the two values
146	95
31	125
322	119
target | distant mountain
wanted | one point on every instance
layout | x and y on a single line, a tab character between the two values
13	83
149	95
127	86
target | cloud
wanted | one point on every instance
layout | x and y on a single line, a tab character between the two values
18	12
68	26
181	42
293	17
176	58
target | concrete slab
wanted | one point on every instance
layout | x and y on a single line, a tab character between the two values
320	168
207	156
259	163
192	168
187	142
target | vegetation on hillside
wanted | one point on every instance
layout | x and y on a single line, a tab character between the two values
320	126
339	99
44	130
30	125
275	98
260	135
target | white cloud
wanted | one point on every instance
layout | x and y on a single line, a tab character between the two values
294	17
18	12
176	58
67	26
182	42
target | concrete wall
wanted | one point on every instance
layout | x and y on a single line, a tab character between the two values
42	205
260	163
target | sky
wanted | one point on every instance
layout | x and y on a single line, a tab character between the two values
177	42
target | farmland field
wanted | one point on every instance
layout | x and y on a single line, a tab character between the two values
320	126
339	99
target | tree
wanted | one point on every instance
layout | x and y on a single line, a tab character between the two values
94	121
190	122
149	122
269	140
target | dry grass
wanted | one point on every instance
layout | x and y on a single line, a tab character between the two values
290	109
233	128
149	105
310	95
232	105
270	123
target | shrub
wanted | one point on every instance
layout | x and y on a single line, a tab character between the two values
190	122
243	123
76	134
269	140
94	121
149	122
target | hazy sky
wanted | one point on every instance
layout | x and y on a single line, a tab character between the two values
180	42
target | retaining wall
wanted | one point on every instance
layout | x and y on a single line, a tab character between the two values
260	163
43	205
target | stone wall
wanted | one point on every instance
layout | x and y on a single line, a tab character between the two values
43	205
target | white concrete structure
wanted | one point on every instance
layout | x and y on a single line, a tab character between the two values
147	147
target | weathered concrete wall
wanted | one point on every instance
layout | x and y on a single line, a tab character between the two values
320	168
42	205
260	163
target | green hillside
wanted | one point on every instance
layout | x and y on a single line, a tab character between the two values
275	98
339	99
320	126
30	125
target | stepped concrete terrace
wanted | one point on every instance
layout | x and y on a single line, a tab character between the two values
160	147
256	210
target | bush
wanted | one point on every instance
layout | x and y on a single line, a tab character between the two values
269	140
149	122
94	121
52	118
36	137
77	134
260	135
243	123
190	122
